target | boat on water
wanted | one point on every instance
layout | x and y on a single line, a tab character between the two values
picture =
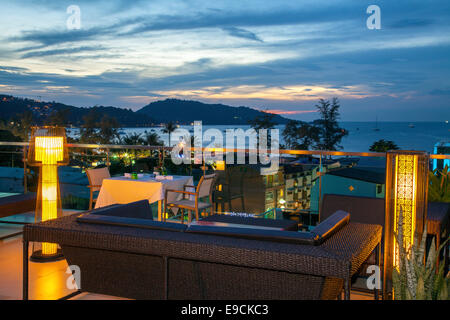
376	125
411	125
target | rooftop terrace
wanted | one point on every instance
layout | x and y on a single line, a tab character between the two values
48	280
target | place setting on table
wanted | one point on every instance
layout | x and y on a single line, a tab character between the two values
141	186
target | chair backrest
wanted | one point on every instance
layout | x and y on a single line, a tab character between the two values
235	179
96	176
205	185
362	209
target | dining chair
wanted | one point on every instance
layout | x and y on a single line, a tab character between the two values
191	200
95	177
230	186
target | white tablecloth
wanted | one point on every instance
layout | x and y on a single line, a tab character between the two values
126	190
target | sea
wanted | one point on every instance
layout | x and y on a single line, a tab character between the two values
420	136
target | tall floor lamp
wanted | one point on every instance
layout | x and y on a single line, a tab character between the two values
47	150
406	194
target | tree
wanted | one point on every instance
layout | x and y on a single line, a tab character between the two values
169	128
329	132
132	139
59	118
383	146
152	139
19	126
300	135
104	131
263	122
290	133
88	130
108	130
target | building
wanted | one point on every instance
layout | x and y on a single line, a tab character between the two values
299	180
352	181
442	147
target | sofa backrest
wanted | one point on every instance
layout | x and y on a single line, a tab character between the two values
295	237
139	210
130	222
321	233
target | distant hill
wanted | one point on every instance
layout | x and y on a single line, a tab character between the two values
178	111
185	112
11	107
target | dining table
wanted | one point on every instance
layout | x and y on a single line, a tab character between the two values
125	189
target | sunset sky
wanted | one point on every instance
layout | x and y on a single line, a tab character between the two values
280	56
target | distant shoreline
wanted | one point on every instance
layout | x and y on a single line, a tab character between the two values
241	125
361	135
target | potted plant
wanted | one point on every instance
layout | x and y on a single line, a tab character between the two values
416	277
439	186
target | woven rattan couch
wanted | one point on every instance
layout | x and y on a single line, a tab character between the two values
161	260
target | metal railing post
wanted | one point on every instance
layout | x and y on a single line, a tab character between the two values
107	158
320	188
25	176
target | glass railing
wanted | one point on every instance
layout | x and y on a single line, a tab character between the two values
294	190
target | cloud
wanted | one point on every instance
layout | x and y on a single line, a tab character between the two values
12	69
281	56
242	33
59	35
411	23
236	21
285	93
440	92
52	37
66	51
140	100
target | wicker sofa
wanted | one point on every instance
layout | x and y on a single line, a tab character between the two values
145	259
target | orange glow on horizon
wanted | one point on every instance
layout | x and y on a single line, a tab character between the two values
278	111
285	93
